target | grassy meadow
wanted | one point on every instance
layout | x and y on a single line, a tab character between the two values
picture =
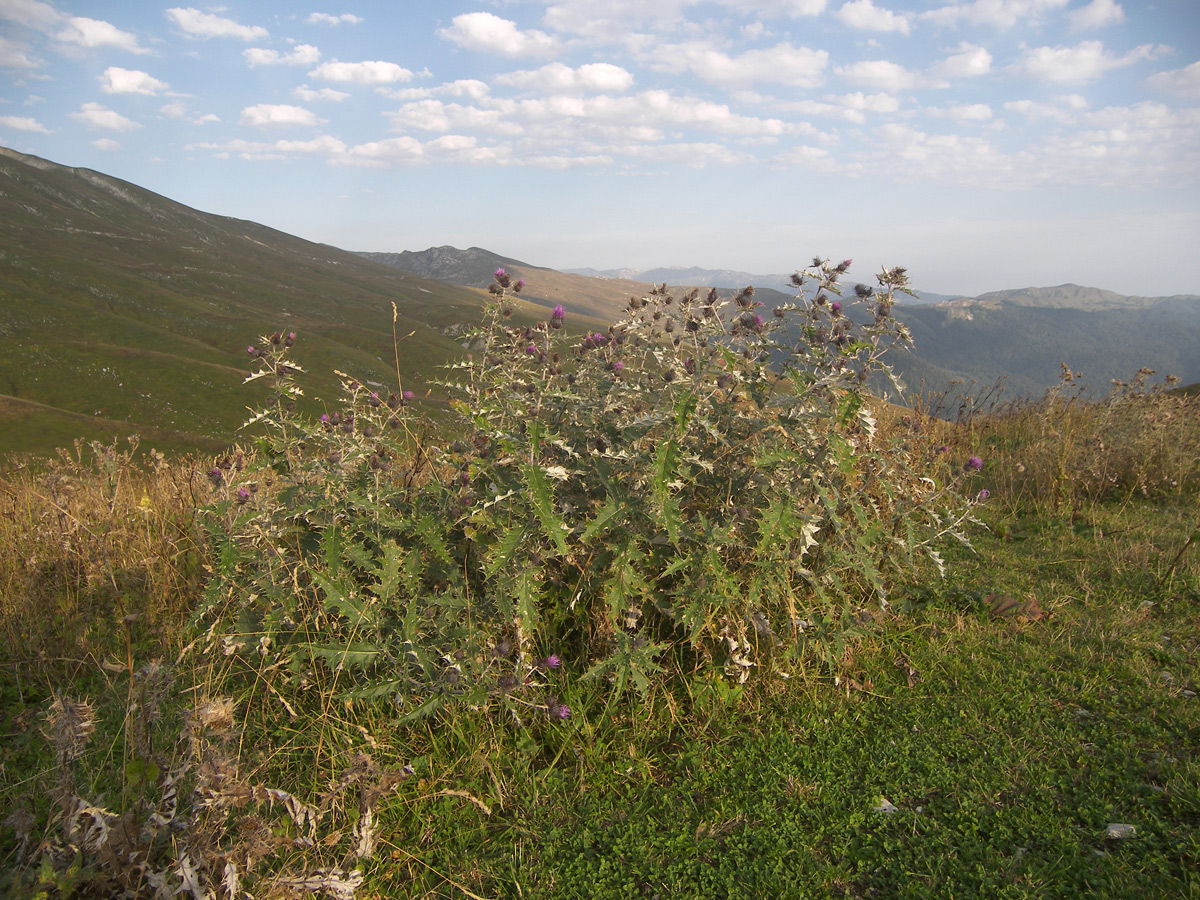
1027	726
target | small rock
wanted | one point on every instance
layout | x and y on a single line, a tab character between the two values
1189	694
1116	831
886	805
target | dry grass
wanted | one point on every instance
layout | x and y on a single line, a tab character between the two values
94	545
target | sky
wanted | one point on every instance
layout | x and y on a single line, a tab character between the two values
983	144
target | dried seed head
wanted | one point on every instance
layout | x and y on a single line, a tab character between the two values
68	726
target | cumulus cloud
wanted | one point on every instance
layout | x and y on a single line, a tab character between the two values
1077	65
969	61
269	114
201	24
434	115
865	15
116	80
31	13
91	33
15	55
997	13
1096	14
489	33
97	115
318	18
304	92
106	144
558	78
797	67
963	113
23	123
302	55
368	72
1185	82
881	73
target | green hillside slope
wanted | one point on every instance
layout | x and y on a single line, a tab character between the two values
122	311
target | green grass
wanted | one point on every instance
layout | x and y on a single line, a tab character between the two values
1006	744
1014	746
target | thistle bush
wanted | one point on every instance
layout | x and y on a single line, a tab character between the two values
702	485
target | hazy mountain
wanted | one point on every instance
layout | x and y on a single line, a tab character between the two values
1019	336
728	279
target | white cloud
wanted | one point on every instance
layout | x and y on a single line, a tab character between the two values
797	67
201	24
302	55
15	55
558	78
434	115
177	109
268	114
326	19
116	80
865	15
489	33
99	116
1096	14
23	123
206	119
1080	64
106	144
963	113
969	61
881	73
304	92
997	13
1185	82
92	33
401	151
31	13
368	72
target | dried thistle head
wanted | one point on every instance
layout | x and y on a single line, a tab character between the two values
215	715
68	726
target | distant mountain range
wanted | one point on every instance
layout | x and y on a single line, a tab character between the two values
729	279
124	312
1019	337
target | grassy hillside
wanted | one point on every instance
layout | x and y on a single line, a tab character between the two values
133	311
1026	727
601	299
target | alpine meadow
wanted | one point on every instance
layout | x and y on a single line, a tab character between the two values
320	576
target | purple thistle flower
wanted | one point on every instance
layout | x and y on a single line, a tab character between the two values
835	307
617	366
242	495
251	351
531	349
974	463
983	495
553	661
517	288
324	420
499	273
559	312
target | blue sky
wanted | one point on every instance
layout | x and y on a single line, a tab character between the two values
984	144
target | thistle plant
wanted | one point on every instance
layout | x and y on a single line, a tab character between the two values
700	485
